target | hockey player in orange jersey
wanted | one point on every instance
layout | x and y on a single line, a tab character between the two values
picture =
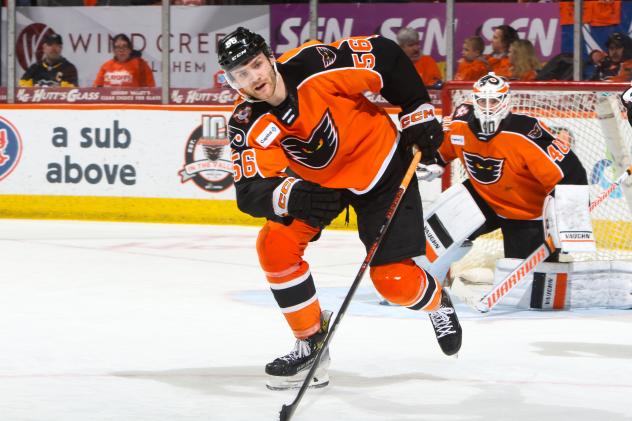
513	162
305	144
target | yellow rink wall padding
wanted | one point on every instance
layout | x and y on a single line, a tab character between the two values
132	209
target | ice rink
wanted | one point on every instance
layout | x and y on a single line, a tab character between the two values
151	322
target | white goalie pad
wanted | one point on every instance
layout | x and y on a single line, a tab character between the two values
562	286
567	219
448	223
604	284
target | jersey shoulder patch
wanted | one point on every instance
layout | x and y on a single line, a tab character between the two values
244	116
311	59
527	126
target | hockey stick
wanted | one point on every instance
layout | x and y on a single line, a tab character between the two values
288	410
492	298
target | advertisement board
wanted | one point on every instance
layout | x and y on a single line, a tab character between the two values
86	33
537	22
159	152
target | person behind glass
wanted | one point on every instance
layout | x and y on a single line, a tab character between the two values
472	64
126	69
617	65
504	36
53	69
524	62
408	39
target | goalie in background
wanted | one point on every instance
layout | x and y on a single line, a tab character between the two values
626	99
513	162
306	143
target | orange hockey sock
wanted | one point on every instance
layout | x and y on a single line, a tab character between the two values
280	249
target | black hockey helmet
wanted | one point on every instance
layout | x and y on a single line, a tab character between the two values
239	47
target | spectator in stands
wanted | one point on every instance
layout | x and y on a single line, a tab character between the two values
126	69
408	39
473	65
592	64
504	36
524	62
617	65
53	69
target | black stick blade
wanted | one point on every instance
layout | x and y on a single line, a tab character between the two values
286	412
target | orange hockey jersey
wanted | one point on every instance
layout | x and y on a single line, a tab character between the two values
339	139
514	169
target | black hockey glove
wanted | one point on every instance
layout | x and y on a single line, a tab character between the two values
420	127
626	99
307	201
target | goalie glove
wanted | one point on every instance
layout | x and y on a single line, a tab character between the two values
428	172
626	99
307	201
420	127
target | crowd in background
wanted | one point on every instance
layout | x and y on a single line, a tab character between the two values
511	57
126	69
515	59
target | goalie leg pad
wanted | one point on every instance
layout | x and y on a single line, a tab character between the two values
546	288
280	249
605	284
408	285
561	286
450	221
567	219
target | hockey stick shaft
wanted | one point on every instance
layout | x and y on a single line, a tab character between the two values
287	411
540	254
604	195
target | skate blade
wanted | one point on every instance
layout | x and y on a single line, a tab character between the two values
295	382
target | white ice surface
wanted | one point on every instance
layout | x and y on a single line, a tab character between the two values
149	322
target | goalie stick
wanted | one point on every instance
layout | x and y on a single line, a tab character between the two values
489	300
288	410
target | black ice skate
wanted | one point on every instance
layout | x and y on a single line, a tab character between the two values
446	325
289	371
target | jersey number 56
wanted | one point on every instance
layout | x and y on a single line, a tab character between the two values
244	164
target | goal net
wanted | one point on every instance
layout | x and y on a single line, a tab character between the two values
592	119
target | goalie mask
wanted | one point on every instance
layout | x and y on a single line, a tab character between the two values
491	101
235	51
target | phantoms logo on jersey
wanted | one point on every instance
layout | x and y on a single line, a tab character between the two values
207	155
10	148
484	170
317	151
328	56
